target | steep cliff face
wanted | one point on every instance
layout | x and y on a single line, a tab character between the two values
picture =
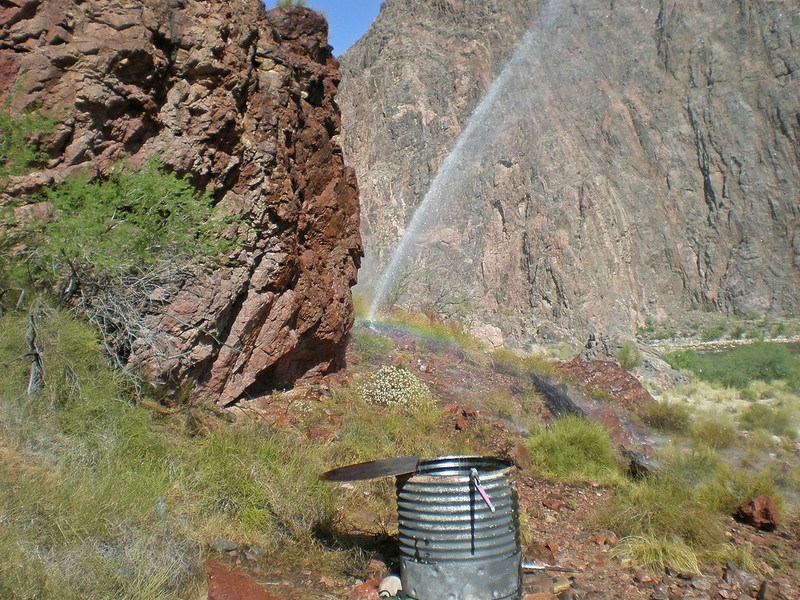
241	100
641	158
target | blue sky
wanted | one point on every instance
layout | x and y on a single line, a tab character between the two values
347	19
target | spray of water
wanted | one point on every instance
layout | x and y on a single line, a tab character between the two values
473	143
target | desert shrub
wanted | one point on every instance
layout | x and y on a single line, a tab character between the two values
779	420
105	500
697	392
372	347
736	332
574	449
628	357
88	476
740	366
666	416
286	3
395	386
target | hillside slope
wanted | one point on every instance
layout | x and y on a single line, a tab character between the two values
640	160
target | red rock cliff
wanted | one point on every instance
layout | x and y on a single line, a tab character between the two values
242	100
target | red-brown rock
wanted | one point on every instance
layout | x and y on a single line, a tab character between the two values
366	591
760	512
242	101
226	584
608	378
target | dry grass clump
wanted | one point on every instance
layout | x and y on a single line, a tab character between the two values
714	429
666	416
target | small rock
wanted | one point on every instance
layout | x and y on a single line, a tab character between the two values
366	591
320	434
660	593
768	591
760	512
470	412
223	545
327	582
521	456
226	584
462	424
552	503
376	568
540	553
701	583
561	585
741	579
390	586
539	596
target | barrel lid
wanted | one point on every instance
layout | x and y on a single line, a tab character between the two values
386	467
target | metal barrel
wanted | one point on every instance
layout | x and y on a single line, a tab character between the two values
453	546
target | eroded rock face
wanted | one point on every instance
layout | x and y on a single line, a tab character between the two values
242	100
644	160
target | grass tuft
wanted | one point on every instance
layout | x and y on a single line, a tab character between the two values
574	449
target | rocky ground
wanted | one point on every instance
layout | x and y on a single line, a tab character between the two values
557	523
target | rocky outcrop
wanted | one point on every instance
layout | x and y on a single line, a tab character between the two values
241	100
640	160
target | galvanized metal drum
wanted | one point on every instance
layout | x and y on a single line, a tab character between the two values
459	530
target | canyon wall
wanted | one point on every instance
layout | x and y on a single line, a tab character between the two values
641	160
241	100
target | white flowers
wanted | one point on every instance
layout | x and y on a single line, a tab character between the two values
395	386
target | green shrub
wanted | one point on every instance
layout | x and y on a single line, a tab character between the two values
133	219
666	416
628	357
286	3
19	151
395	386
742	365
574	449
